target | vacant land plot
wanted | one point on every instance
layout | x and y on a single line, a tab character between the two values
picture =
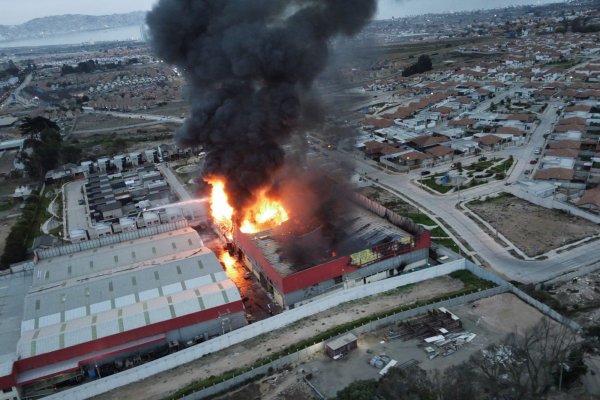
178	109
388	200
534	229
281	385
245	354
88	122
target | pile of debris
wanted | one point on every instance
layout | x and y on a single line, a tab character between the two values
446	344
440	330
436	321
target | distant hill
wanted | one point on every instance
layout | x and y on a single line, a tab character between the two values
68	23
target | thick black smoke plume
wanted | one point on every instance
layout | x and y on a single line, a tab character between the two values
250	65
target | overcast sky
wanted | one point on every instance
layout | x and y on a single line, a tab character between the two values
19	11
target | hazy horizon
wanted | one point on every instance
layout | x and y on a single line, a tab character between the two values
26	10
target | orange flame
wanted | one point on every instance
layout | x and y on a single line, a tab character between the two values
227	260
220	209
265	213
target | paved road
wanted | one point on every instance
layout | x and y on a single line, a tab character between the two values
149	117
17	93
75	213
489	250
174	183
115	128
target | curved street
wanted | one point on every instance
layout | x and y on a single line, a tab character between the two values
445	207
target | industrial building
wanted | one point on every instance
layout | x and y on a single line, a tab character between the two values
110	300
128	200
378	244
117	195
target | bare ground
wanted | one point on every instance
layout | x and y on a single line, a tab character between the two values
387	199
282	385
534	229
244	354
98	121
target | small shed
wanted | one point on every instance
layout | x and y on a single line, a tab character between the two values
341	346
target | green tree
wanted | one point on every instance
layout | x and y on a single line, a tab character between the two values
406	384
33	127
42	148
359	390
423	64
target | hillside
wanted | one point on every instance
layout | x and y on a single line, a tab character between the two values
69	23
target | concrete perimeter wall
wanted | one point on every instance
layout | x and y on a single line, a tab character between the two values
306	353
288	317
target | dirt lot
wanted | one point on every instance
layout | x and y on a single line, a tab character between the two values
98	121
491	319
535	230
579	298
174	109
136	139
387	200
282	385
244	354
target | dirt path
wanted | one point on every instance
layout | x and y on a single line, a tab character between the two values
244	354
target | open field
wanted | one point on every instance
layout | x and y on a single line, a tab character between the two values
173	109
87	122
281	385
388	200
534	229
579	298
245	354
135	139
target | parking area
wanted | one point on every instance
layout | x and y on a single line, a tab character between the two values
490	319
75	206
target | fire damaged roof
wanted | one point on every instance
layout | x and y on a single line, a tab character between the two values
360	231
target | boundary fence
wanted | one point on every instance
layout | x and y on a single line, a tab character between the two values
248	332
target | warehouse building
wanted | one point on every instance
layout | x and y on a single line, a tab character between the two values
99	302
374	247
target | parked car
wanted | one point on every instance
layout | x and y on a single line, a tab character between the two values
482	158
532	162
423	173
527	171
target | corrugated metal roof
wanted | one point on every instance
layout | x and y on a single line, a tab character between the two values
122	286
119	288
59	335
56	269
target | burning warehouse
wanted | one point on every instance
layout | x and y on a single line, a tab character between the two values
368	248
250	66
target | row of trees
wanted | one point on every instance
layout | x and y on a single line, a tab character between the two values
22	232
89	66
44	148
423	64
579	25
520	367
